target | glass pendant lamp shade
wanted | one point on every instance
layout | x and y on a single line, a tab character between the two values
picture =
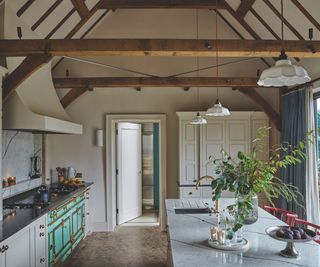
218	110
283	74
198	120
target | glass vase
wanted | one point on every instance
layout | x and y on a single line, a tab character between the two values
250	216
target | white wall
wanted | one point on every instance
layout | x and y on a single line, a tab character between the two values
90	109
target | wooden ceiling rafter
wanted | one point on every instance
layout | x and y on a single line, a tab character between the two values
242	22
158	47
273	115
244	7
266	25
72	95
28	66
85	33
132	4
81	8
285	21
46	14
306	14
25	7
33	62
61	22
246	26
134	82
83	21
238	33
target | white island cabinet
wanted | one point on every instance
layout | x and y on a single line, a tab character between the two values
27	247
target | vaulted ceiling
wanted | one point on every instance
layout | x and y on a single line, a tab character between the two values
244	20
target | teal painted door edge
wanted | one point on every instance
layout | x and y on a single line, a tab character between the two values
156	165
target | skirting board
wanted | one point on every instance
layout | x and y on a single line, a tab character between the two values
99	227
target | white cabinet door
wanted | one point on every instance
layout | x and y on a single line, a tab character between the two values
237	136
19	249
40	242
212	142
188	153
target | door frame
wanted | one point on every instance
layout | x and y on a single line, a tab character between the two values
111	190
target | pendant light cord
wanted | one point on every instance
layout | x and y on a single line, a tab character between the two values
198	93
282	26
217	60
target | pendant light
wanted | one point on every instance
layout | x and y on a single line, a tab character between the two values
217	109
198	119
283	73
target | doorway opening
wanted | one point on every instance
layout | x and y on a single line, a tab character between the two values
137	163
149	207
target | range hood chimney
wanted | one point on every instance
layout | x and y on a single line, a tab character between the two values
35	105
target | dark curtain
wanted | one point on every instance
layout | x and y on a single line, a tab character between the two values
294	129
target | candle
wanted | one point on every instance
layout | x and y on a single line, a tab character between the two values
222	236
214	233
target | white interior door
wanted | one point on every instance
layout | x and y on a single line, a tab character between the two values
129	177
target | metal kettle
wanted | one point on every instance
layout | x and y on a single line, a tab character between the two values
71	172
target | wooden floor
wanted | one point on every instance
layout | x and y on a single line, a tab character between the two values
136	246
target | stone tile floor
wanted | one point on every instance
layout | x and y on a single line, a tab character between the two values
132	246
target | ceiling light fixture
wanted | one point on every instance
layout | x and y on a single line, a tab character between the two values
198	119
217	110
283	73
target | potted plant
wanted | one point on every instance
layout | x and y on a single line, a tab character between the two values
247	176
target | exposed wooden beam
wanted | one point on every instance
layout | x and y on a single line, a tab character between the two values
28	66
61	22
72	95
83	21
263	104
86	33
238	33
267	26
244	7
104	82
46	14
298	87
204	4
158	47
242	22
307	14
25	7
81	8
264	23
291	28
95	23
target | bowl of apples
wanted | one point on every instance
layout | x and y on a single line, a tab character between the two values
290	235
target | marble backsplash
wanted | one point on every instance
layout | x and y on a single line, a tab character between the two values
17	149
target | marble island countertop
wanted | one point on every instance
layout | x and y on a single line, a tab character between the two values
188	235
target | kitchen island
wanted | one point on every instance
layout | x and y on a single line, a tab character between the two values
188	240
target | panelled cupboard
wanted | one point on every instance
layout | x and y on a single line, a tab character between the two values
198	142
49	240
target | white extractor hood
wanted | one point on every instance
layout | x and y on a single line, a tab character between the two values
35	105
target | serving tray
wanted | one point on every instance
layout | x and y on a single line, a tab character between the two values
239	246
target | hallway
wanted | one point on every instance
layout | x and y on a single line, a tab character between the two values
134	246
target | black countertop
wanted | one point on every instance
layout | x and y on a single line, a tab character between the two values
23	217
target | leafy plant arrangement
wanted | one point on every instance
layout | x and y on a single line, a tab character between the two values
247	175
